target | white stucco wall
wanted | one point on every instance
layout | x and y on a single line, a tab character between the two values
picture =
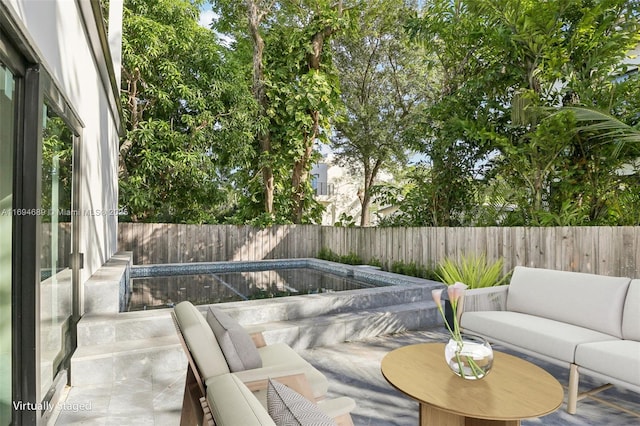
57	32
344	198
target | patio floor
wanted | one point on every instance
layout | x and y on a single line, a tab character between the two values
353	370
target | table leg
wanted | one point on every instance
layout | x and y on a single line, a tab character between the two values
431	416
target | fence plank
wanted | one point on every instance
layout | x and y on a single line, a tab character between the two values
601	250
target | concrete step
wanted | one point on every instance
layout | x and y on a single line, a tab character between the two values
100	329
139	344
144	357
307	306
325	330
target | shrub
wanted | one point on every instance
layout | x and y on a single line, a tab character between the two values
328	254
412	269
473	271
375	262
349	259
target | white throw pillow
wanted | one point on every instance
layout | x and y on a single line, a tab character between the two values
236	344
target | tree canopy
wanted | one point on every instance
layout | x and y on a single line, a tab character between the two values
505	65
524	112
384	82
188	121
295	83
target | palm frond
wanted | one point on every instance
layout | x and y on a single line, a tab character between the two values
604	127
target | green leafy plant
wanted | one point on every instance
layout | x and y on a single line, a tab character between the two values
345	220
412	269
474	271
327	254
349	259
375	262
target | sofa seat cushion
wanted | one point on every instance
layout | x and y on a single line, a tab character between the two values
236	343
282	354
618	359
540	335
288	408
233	404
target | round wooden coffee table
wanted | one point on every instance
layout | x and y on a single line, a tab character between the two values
514	389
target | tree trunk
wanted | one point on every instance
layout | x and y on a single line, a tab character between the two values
370	175
365	201
298	179
255	16
135	114
301	166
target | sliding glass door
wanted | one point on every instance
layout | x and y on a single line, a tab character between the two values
39	170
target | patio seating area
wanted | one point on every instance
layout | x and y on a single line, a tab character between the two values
353	369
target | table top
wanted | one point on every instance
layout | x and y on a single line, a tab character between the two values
514	388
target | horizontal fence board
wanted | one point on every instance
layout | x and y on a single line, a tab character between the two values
604	250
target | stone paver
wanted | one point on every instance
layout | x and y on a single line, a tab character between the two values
353	370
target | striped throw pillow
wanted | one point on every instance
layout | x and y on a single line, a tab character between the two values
288	408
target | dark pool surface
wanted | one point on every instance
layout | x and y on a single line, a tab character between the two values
220	287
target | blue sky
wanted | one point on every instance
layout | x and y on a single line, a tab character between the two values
206	15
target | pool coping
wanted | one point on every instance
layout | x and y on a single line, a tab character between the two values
367	273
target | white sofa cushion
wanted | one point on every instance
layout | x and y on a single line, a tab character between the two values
236	344
201	341
585	300
280	360
233	404
618	359
282	354
540	335
631	314
288	408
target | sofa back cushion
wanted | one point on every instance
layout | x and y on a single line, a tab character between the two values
631	314
201	341
585	300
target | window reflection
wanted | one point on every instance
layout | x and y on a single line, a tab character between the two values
55	270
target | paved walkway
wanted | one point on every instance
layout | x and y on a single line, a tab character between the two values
353	370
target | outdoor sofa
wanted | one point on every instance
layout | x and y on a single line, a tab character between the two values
589	323
231	369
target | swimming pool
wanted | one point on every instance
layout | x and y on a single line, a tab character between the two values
161	286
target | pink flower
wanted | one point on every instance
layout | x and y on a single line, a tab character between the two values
455	292
437	296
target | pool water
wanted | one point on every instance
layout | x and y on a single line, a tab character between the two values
207	288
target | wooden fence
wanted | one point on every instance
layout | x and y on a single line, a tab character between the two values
611	251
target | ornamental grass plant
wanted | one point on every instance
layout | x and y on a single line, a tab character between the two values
473	270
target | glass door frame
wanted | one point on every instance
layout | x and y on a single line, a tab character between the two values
14	62
56	103
26	268
39	89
